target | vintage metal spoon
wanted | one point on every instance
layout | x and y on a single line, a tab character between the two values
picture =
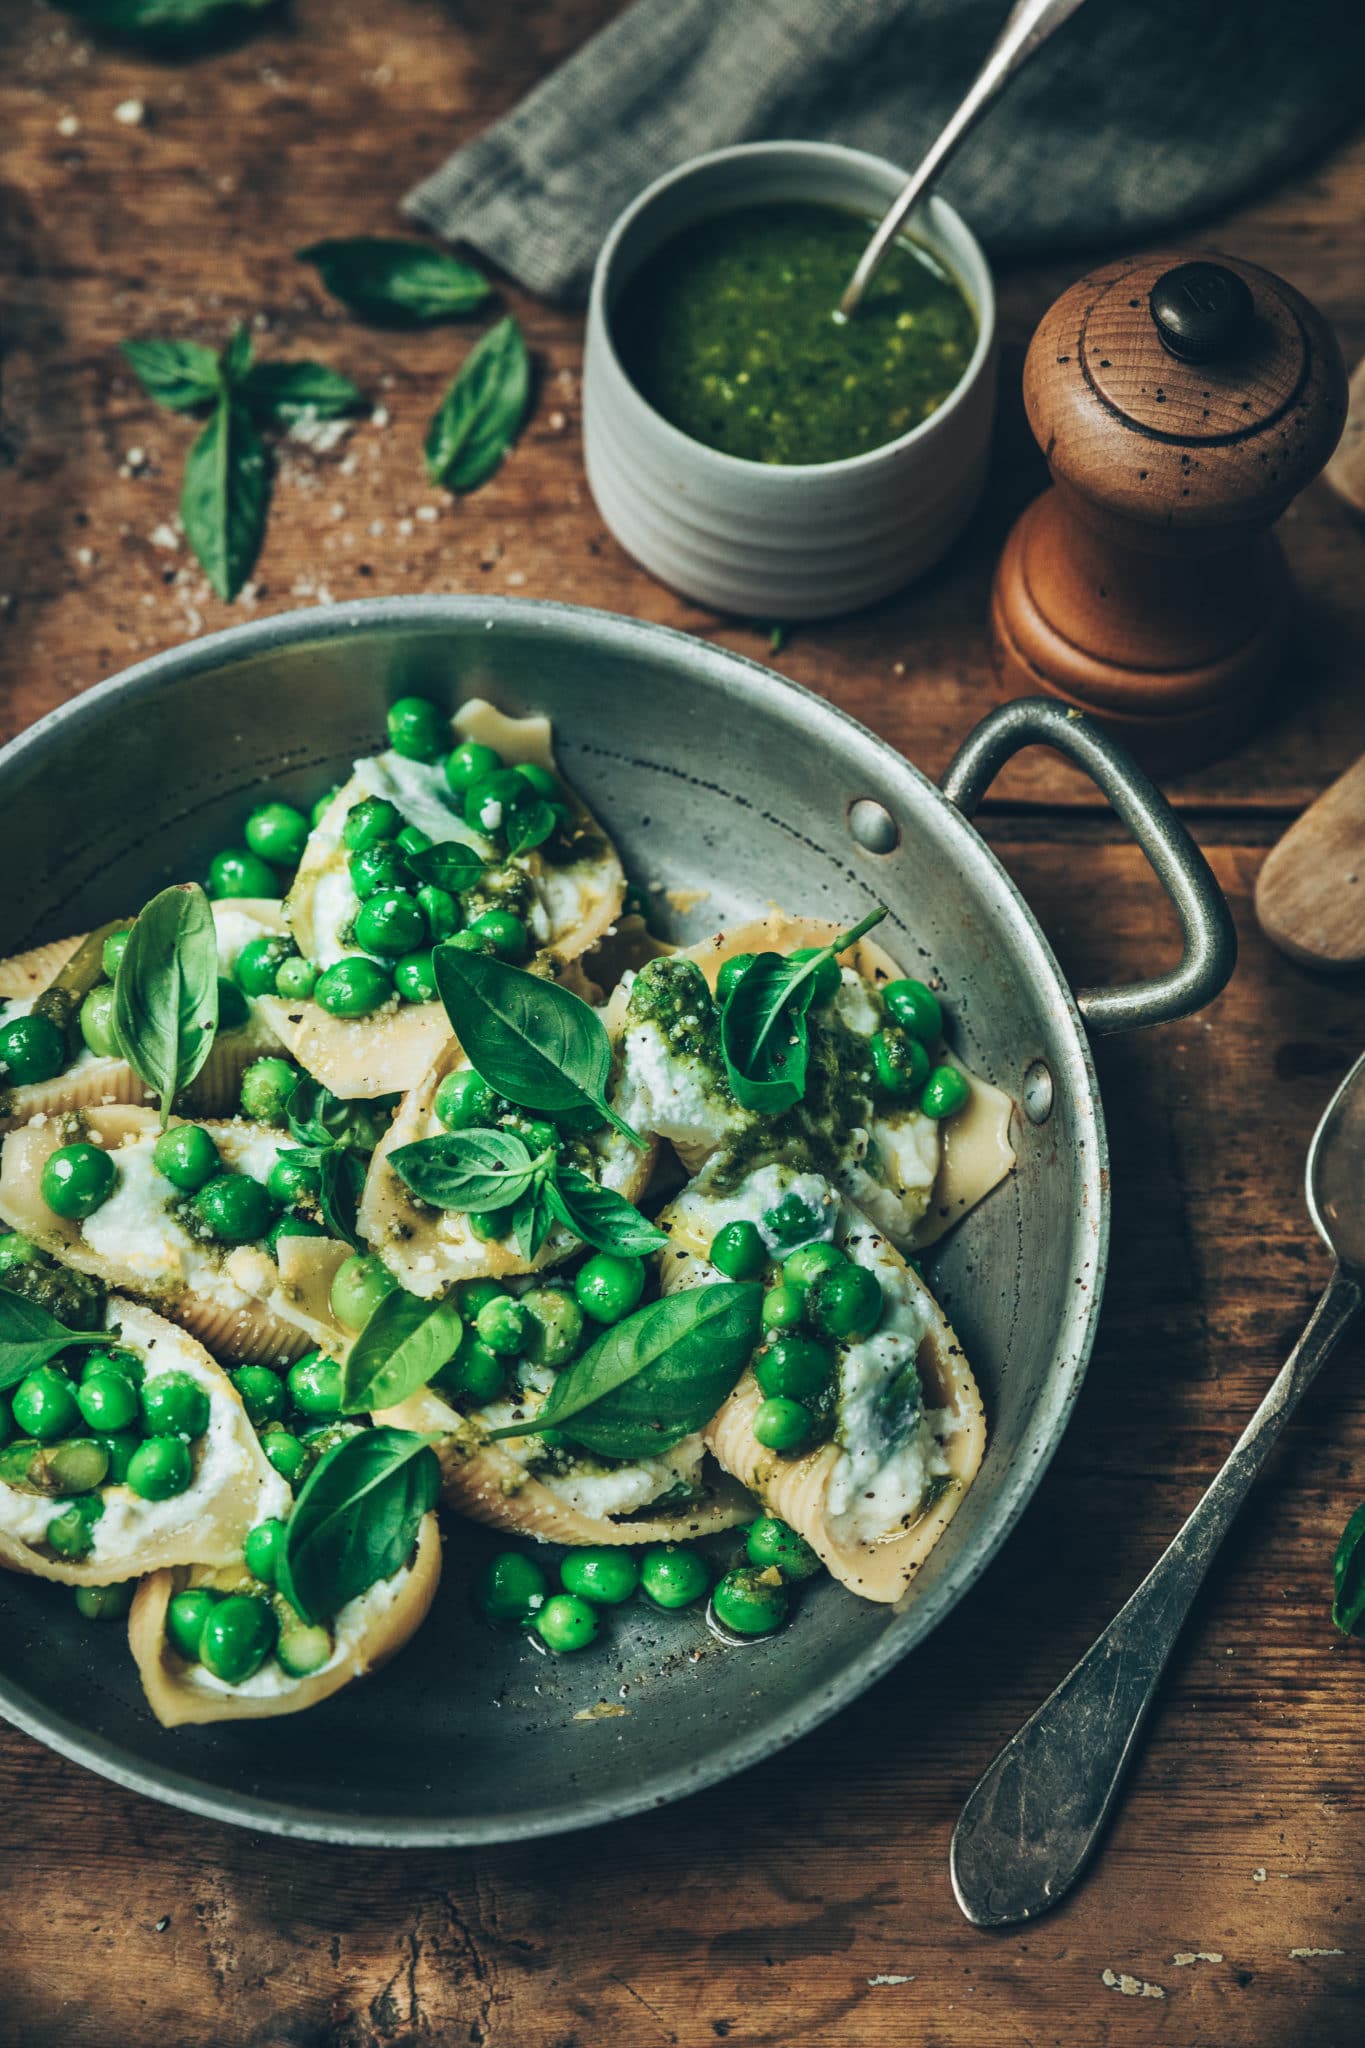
1030	24
1031	1824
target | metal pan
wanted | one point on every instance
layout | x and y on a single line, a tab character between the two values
715	775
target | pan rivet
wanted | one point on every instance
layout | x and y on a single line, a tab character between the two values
873	826
1037	1092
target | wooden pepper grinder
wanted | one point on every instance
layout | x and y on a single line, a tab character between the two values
1181	404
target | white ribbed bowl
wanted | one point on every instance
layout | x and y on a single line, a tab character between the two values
798	541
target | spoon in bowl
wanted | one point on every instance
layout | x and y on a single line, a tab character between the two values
1030	24
1032	1822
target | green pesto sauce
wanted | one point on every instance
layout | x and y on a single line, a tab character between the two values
672	994
811	1135
729	331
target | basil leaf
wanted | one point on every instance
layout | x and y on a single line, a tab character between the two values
450	865
166	991
30	1337
532	1218
291	391
763	1031
177	374
403	1344
652	1379
356	1518
1348	1573
315	1116
389	279
478	419
340	1180
235	360
467	1169
163	20
530	825
530	1040
224	497
601	1217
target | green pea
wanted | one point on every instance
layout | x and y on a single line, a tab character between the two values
77	1180
474	1373
262	1394
293	1179
783	1425
566	1623
783	1307
468	764
390	922
417	730
354	987
489	1226
32	1049
463	1100
45	1405
946	1091
412	839
186	1613
470	942
604	1575
510	1589
296	978
302	1650
415	978
358	1286
292	1226
234	1208
77	1464
608	1288
263	1548
378	867
472	1294
673	1576
267	1086
105	1603
187	1156
900	1062
846	1303
18	1250
799	1269
232	1007
770	1542
160	1468
370	822
322	806
440	910
504	1326
235	872
541	780
556	1325
238	1636
738	1251
315	1385
174	1404
97	1021
258	963
827	977
732	974
119	1448
107	1402
289	1457
126	1364
112	951
750	1603
915	1008
72	1533
504	933
488	804
278	833
794	1368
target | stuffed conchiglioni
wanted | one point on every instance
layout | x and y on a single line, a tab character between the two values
174	1472
887	1114
65	1057
203	1255
858	1423
299	1665
467	827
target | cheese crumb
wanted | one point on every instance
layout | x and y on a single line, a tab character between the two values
131	113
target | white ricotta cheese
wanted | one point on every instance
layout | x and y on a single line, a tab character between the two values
672	1094
349	1630
136	1231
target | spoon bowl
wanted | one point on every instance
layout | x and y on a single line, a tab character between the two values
1335	1175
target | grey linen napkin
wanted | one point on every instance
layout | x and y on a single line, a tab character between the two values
1139	115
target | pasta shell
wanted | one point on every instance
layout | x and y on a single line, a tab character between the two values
179	1693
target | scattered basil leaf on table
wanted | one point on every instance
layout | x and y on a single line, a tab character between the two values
467	1169
390	279
164	20
340	1180
479	417
1348	1572
356	1519
538	1044
166	991
177	374
403	1344
601	1217
450	864
291	391
655	1377
30	1337
225	495
763	1030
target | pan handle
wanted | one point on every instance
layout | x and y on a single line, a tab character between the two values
1205	920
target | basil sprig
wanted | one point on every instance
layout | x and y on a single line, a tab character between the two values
356	1519
764	1034
386	278
166	991
30	1337
655	1377
404	1343
494	1170
539	1045
481	414
1348	1573
330	1135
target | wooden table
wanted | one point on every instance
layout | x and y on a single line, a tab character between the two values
807	1901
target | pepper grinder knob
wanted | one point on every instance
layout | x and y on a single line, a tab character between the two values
1181	403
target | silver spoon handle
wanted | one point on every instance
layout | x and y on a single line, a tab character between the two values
1031	1823
1030	24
